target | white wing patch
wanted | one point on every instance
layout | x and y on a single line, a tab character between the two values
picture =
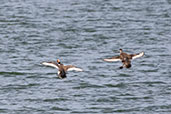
50	64
112	60
76	69
139	55
58	72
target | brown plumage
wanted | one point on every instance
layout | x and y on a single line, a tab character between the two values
125	58
62	69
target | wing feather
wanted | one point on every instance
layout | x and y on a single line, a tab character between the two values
51	64
112	59
75	69
72	68
134	56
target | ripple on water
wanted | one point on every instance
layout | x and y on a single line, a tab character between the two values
12	73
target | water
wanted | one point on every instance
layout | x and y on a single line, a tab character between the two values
82	33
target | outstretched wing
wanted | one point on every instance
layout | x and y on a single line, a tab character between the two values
72	68
51	64
112	59
134	56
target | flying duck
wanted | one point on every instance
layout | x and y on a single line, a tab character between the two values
124	58
62	69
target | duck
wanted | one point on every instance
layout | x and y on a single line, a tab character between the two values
124	58
62	69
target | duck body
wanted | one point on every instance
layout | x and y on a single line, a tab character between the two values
61	71
125	58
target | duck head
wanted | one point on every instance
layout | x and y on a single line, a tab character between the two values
120	50
58	61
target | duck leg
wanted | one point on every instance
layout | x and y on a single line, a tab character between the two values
121	67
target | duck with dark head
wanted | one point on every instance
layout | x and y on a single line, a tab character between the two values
124	58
